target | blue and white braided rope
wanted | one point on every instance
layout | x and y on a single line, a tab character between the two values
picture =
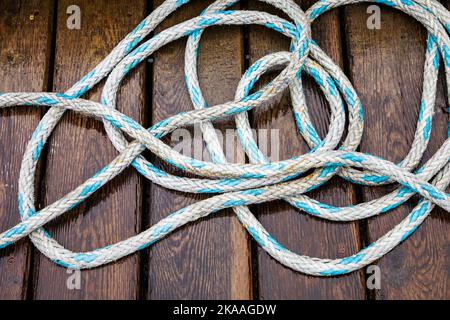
239	185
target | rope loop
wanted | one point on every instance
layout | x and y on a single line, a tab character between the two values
239	185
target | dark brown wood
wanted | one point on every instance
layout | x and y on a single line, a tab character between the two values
23	66
79	147
386	67
210	258
293	228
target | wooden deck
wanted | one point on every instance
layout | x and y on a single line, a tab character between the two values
212	258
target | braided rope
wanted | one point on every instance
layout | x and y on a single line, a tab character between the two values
239	185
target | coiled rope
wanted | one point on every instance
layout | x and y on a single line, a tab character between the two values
239	185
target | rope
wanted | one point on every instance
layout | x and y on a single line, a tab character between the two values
239	185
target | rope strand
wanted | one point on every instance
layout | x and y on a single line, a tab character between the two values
239	185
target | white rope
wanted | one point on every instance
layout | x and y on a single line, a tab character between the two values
239	185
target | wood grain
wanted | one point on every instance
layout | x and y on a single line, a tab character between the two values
297	230
208	259
212	258
79	147
24	64
386	67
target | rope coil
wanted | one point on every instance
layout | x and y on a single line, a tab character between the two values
239	185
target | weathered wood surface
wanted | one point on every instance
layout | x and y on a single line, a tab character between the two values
79	147
208	259
24	65
386	68
212	258
295	229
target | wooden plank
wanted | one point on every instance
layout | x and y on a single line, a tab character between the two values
210	258
298	231
79	147
25	46
386	67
